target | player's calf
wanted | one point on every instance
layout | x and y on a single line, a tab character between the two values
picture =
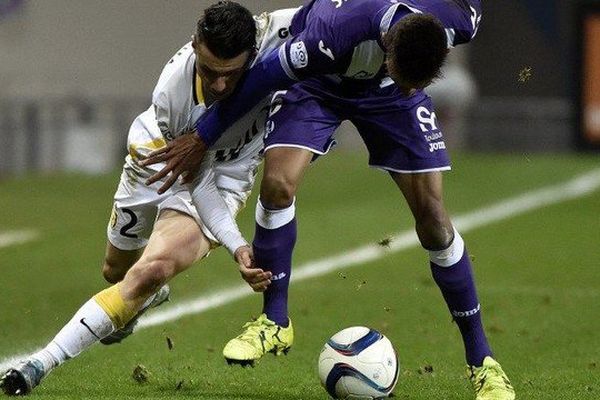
117	262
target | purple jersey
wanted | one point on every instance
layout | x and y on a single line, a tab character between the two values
343	37
338	38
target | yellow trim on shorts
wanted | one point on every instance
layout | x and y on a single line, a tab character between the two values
153	145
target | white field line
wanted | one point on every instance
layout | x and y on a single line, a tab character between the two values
572	189
12	238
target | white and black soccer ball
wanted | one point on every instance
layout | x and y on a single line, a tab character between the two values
358	363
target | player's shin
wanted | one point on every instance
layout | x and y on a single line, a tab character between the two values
451	269
96	319
274	241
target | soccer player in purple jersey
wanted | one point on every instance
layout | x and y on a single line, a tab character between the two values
366	62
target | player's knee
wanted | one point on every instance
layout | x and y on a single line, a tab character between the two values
434	228
149	275
113	273
277	190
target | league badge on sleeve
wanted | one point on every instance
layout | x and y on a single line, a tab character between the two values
298	55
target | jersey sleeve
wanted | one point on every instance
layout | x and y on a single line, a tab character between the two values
321	48
213	210
317	50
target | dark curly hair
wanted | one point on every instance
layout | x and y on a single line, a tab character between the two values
417	48
227	29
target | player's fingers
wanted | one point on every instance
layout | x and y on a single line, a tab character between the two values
155	157
265	276
250	274
158	176
159	151
176	170
168	183
260	287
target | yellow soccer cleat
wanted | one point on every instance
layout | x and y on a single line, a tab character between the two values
259	337
490	382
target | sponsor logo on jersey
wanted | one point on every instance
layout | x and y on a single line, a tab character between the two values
298	55
234	153
283	33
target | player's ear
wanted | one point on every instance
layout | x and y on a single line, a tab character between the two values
194	42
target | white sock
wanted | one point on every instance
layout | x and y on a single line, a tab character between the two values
273	219
89	324
451	255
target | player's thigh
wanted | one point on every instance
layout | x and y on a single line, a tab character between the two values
176	242
401	133
423	191
284	166
424	195
299	128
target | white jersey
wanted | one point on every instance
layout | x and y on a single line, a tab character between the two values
231	163
175	97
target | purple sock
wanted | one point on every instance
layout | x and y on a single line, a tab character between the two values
458	288
273	252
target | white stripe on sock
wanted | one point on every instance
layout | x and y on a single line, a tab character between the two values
273	219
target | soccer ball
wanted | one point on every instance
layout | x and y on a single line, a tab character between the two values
358	363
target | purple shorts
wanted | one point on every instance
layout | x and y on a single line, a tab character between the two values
401	133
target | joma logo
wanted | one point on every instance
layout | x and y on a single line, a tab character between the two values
339	3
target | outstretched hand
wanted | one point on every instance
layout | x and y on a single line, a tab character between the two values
183	157
258	279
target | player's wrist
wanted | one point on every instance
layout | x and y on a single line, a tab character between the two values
233	242
207	127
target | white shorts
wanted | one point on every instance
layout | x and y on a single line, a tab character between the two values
137	206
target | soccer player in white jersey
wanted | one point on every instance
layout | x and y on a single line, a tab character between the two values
228	40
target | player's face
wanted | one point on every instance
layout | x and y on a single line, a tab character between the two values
407	88
219	76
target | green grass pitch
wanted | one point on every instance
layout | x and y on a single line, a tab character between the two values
537	273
